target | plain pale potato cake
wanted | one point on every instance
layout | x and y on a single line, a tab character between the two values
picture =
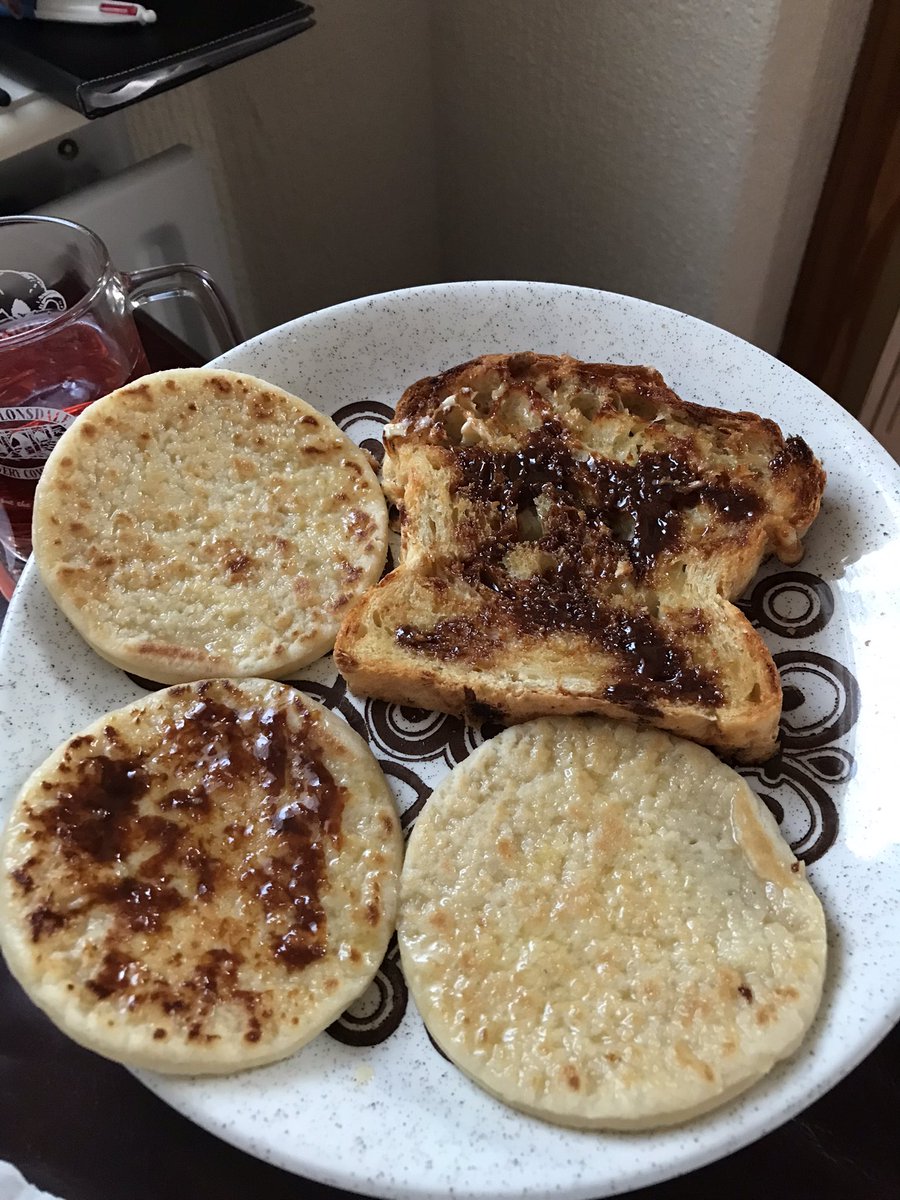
603	926
202	881
201	523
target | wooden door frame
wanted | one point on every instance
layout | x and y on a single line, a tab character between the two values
856	223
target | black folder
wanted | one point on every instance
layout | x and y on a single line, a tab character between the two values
96	69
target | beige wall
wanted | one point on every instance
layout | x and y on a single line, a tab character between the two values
322	156
670	149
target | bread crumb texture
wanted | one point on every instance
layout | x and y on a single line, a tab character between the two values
602	925
573	535
203	522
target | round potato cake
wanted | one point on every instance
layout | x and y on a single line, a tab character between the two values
602	926
202	881
201	523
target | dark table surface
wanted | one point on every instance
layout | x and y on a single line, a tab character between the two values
85	1129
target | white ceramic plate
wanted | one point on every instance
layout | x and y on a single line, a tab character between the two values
371	1105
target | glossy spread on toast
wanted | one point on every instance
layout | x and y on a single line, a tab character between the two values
573	536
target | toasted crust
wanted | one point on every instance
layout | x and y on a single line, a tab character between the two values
603	927
573	536
202	881
204	523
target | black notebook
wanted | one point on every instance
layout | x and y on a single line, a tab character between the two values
96	69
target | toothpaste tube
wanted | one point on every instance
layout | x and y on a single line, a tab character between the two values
102	12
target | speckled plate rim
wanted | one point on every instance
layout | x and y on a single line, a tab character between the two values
448	1137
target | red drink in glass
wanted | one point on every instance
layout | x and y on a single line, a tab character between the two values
46	383
68	337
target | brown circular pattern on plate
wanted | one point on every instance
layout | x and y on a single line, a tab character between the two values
379	1010
147	684
821	705
799	791
333	696
793	604
420	734
363	421
821	699
409	792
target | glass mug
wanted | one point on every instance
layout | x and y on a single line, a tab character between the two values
67	337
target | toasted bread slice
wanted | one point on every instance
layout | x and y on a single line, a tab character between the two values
573	534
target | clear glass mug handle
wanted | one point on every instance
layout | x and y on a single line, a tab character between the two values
183	280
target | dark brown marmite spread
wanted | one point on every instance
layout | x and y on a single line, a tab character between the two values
227	802
652	665
585	508
588	520
640	504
